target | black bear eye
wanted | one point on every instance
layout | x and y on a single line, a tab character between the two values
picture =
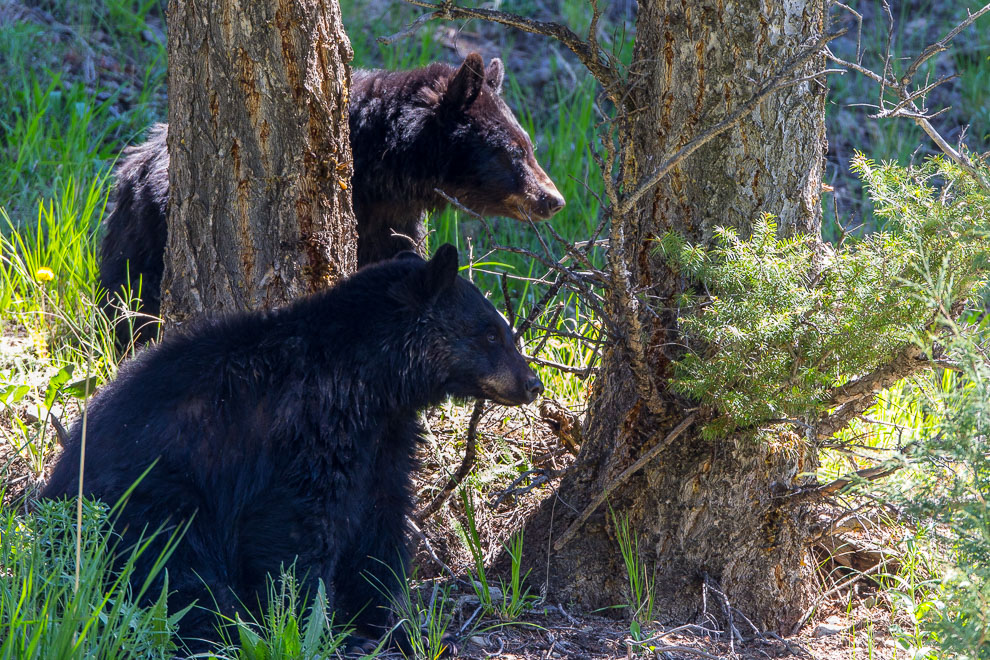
492	338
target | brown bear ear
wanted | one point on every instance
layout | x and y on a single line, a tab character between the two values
466	83
495	75
441	270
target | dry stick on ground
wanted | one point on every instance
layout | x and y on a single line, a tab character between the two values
628	472
513	489
657	650
468	461
418	533
734	634
821	598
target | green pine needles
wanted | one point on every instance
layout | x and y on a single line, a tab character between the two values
776	323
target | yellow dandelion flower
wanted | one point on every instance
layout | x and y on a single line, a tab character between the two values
44	274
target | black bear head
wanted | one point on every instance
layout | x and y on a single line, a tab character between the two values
469	344
491	165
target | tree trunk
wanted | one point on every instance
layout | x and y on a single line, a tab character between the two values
702	508
260	160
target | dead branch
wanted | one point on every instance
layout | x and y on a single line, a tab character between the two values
418	533
942	44
628	472
597	61
631	645
510	313
901	85
853	398
867	474
581	371
466	464
539	307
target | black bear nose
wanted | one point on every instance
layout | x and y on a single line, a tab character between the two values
534	387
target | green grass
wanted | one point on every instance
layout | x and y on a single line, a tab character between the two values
55	126
45	614
642	581
291	627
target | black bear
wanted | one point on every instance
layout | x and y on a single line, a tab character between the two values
412	133
289	435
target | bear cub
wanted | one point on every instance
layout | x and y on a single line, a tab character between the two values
412	133
289	436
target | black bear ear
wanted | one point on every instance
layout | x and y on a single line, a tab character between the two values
465	85
427	282
441	270
495	75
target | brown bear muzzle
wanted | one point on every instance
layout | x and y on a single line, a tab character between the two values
547	200
539	201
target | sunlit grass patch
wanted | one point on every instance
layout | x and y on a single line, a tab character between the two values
45	613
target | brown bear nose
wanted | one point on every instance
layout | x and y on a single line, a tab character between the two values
534	387
552	202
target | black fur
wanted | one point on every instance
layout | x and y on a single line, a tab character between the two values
412	132
290	434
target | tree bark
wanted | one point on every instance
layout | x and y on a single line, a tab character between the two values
260	160
704	508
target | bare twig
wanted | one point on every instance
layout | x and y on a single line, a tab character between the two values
580	371
543	476
408	30
859	26
628	472
734	633
942	44
596	60
901	85
466	464
418	533
657	650
539	307
510	313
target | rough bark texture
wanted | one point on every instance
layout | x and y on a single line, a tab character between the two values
702	507
260	160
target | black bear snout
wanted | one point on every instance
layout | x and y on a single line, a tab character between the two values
534	387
